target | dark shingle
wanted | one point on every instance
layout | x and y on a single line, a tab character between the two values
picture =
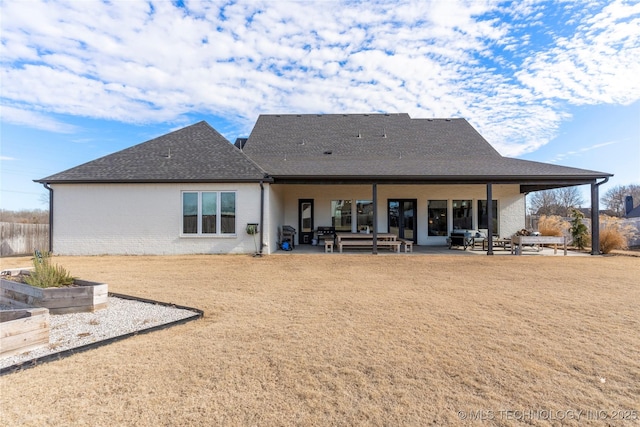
384	145
315	146
194	153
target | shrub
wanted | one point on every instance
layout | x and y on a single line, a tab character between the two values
579	231
552	225
614	234
45	274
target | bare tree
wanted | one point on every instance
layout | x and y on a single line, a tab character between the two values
558	201
568	198
614	198
25	216
44	198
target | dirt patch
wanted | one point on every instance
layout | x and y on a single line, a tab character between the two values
352	340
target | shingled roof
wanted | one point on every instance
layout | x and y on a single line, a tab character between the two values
389	147
332	148
196	153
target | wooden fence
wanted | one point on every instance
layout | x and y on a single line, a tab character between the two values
23	239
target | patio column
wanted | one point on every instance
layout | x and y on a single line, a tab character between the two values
374	199
595	219
489	219
595	216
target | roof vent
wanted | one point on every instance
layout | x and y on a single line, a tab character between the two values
328	152
359	134
168	155
384	133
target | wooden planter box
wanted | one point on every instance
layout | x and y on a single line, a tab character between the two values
23	330
85	296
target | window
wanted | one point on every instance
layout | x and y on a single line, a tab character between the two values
364	208
208	212
437	211
483	222
341	215
462	211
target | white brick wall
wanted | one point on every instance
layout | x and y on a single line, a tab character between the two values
94	219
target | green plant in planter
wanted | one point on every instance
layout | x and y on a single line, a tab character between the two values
252	229
45	274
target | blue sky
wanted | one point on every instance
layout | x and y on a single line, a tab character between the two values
540	80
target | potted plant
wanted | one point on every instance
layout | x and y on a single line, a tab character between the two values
252	229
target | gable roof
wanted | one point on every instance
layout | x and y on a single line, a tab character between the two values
333	148
390	147
196	153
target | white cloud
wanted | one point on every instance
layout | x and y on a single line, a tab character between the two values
560	157
599	63
153	61
34	119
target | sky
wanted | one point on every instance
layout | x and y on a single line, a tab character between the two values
550	81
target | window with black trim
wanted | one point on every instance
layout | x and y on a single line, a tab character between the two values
462	212
208	212
437	211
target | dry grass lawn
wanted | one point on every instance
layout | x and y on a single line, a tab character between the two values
352	340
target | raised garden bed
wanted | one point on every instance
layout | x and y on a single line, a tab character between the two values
23	330
82	296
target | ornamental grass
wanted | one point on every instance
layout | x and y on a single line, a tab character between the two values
614	234
552	225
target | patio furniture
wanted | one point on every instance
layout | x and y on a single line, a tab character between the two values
366	240
459	238
328	245
497	243
406	244
517	242
286	233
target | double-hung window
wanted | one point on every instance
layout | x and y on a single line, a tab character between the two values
208	212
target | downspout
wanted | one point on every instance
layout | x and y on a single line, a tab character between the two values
261	217
595	217
46	185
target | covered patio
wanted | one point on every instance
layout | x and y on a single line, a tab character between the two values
545	251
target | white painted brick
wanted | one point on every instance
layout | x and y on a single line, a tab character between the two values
94	219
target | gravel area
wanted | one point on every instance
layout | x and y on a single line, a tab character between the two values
122	316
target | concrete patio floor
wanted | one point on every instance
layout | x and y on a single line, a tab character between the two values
431	250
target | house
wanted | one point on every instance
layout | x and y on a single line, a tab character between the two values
629	210
192	191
